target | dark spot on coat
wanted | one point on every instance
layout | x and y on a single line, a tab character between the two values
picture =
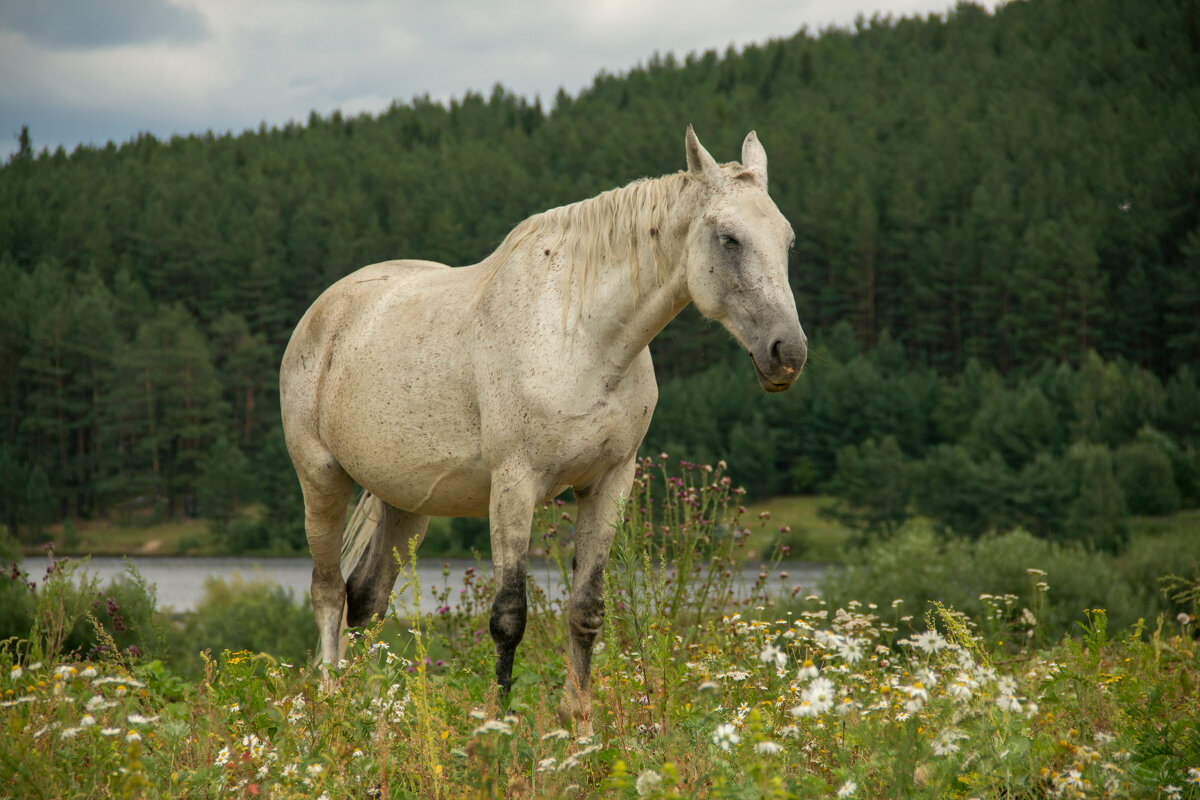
547	252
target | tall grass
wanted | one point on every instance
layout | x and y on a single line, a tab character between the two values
703	687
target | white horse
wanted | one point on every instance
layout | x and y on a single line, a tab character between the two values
485	390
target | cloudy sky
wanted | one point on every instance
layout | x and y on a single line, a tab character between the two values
87	71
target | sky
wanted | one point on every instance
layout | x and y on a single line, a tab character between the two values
91	71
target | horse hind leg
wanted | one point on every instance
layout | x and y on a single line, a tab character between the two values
326	490
369	587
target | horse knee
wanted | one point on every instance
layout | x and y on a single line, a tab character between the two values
585	617
509	610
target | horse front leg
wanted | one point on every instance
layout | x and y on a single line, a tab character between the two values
512	502
599	510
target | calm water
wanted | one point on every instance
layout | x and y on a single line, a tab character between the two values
179	582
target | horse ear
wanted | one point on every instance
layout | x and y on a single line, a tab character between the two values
700	164
754	157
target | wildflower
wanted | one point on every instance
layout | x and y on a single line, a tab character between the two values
726	736
222	757
928	641
69	733
89	672
133	736
1008	702
947	743
358	753
708	686
850	650
547	764
768	748
1172	792
804	709
847	789
926	677
494	726
959	690
819	694
97	703
64	671
315	769
117	679
647	782
477	713
807	670
16	672
87	721
1194	775
557	733
138	719
109	731
291	770
773	655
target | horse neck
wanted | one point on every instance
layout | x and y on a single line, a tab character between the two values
572	267
619	323
618	310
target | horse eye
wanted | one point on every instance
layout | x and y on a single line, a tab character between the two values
728	242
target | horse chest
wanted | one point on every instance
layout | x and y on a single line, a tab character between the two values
582	428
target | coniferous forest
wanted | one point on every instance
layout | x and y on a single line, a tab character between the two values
997	264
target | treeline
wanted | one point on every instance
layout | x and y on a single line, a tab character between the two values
1008	190
1067	453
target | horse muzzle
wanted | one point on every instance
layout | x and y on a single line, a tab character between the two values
779	358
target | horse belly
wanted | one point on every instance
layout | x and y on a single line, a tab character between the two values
397	408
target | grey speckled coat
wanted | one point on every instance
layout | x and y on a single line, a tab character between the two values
484	390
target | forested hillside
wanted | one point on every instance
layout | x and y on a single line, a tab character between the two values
997	263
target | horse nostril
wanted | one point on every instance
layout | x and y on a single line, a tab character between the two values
776	356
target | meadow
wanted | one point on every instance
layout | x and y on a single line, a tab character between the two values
702	687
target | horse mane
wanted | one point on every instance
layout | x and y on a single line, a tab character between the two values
626	224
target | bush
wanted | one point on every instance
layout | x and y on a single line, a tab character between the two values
58	614
918	567
1151	558
237	614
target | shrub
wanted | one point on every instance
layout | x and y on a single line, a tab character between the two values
918	567
257	615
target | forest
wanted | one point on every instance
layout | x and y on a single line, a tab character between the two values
997	263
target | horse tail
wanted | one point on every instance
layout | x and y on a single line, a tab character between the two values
360	529
357	535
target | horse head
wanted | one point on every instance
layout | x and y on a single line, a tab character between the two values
736	258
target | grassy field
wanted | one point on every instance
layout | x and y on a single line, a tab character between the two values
701	689
811	537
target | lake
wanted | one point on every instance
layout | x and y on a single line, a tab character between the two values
179	581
